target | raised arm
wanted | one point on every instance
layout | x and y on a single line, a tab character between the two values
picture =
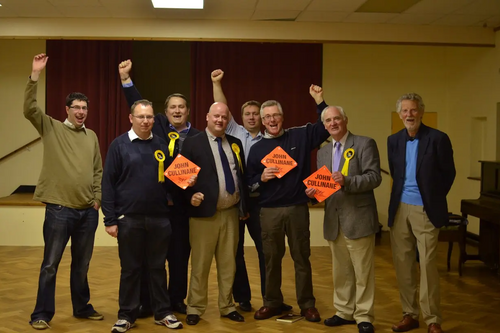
216	77
316	133
31	110
131	93
39	63
316	93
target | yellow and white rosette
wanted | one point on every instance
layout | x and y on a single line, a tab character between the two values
348	154
236	150
160	157
173	136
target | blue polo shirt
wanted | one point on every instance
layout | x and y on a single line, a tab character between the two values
411	193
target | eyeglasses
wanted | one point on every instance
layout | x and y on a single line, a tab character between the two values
276	116
142	118
78	107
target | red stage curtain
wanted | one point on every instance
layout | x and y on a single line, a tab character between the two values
259	71
89	67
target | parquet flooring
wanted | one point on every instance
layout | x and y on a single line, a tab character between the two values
470	303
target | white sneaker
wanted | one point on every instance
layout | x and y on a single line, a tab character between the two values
122	325
40	324
170	321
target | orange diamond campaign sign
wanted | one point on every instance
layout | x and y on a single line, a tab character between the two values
278	158
181	170
323	182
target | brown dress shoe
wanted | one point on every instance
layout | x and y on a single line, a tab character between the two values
311	314
406	324
434	328
266	312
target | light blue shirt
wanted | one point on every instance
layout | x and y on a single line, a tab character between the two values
411	193
245	137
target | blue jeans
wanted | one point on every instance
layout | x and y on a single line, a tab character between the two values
60	224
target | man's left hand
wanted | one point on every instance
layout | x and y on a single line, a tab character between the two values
338	177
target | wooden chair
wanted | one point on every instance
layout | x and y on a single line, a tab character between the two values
456	231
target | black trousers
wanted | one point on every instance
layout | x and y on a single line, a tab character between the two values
178	254
241	286
141	237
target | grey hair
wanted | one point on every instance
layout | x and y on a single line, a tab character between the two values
411	97
270	103
341	110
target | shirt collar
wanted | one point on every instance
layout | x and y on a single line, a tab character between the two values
211	136
270	136
343	140
186	130
70	125
409	138
132	136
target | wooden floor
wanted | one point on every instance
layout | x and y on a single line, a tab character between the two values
470	304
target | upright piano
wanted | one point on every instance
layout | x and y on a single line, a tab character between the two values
487	209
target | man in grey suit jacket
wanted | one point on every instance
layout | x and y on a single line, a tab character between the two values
351	220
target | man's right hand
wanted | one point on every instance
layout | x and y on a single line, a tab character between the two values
268	174
124	69
217	75
197	198
39	63
112	230
316	93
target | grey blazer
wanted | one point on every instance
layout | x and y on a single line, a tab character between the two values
353	207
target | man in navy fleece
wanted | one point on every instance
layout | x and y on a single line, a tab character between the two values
136	212
284	205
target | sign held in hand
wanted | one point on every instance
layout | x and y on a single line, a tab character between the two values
278	158
323	182
181	170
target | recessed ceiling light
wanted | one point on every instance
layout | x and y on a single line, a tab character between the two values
179	4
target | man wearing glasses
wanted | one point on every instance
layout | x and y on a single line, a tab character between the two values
136	212
173	127
284	205
70	186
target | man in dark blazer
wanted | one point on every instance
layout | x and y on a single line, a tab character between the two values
422	169
351	220
173	125
218	200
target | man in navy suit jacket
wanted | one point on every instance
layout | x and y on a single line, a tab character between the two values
422	169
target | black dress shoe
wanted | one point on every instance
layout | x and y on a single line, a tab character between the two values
285	307
179	307
192	319
366	327
144	312
337	321
235	316
246	306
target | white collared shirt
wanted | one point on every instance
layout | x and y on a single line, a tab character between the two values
133	136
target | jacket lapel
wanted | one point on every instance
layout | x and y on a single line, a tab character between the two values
349	143
326	157
422	146
208	152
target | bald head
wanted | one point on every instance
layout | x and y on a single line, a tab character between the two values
217	118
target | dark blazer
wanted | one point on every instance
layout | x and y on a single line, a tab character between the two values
353	208
435	171
197	149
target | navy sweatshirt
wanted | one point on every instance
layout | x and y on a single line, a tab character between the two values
298	142
130	179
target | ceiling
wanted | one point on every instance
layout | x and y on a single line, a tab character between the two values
415	12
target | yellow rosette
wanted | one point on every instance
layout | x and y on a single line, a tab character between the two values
160	157
348	154
236	150
171	145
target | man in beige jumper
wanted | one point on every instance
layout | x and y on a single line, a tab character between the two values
70	186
